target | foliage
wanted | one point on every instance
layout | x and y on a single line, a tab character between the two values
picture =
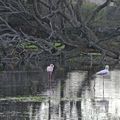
87	8
101	17
59	46
28	45
88	5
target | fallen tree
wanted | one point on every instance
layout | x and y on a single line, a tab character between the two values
43	31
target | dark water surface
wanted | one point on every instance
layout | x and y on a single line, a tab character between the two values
78	97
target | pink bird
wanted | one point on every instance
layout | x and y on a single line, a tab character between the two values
50	69
104	72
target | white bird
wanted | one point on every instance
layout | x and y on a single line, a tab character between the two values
104	72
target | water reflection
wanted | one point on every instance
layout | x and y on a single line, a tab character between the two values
107	107
82	99
53	108
93	105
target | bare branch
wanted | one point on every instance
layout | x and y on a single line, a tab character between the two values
78	10
97	10
13	30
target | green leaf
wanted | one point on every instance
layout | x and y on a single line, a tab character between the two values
59	45
28	45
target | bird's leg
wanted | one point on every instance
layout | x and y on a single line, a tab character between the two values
48	75
94	88
50	79
49	82
103	87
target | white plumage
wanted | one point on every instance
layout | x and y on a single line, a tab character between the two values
50	68
104	72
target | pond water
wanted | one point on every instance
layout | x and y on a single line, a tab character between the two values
81	96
